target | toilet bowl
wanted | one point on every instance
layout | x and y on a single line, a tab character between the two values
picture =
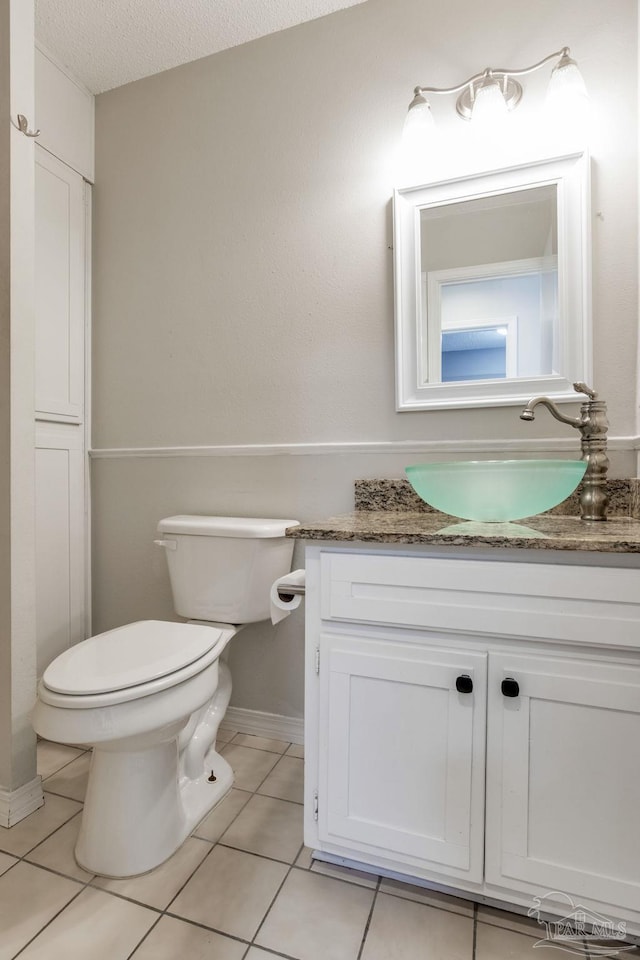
148	697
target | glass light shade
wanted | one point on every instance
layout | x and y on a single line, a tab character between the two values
419	128
489	107
567	83
567	102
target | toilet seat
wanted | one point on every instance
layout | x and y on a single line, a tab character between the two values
131	662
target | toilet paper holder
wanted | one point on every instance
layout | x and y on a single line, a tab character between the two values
286	594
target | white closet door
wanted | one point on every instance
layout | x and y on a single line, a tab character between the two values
60	455
60	540
60	290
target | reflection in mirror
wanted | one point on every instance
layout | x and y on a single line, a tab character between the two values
477	352
492	278
496	318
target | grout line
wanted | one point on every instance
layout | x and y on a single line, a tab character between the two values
64	766
55	772
390	892
62	796
40	842
252	853
194	871
214	844
369	917
242	747
140	942
276	895
279	753
272	952
267	775
475	932
58	873
203	926
267	796
270	796
50	921
122	896
161	912
166	911
352	883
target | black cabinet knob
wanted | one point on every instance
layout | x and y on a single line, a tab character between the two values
464	683
510	687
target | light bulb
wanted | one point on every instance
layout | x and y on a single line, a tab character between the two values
567	81
419	127
418	146
567	101
489	105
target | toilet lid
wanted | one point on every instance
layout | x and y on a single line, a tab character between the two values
127	656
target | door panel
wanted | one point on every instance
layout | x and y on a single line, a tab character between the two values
60	540
61	239
563	777
403	752
60	289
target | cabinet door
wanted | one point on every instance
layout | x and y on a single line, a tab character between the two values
402	753
60	540
60	289
563	778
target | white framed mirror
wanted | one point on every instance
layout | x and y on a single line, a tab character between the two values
492	286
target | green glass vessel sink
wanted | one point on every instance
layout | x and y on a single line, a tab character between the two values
495	490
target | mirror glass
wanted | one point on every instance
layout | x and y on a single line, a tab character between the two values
491	286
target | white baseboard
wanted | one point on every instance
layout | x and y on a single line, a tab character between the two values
15	805
260	724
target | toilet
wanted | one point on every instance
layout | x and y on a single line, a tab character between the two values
149	696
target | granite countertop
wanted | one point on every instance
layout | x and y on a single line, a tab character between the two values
387	511
546	532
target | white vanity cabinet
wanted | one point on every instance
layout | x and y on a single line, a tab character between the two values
475	724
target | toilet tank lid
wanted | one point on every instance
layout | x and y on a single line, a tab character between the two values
247	527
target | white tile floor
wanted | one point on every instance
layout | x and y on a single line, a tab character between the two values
242	887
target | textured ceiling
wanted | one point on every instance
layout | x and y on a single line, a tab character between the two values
106	43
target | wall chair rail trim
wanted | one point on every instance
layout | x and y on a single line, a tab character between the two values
520	445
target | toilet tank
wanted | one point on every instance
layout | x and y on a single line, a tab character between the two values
221	568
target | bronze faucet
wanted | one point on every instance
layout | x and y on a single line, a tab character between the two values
593	425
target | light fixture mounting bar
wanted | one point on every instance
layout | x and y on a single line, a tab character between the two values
509	87
499	74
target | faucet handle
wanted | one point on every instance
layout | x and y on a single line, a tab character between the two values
583	388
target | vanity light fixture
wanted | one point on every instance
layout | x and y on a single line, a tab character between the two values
490	95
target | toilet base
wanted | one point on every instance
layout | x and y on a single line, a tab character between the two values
125	833
145	795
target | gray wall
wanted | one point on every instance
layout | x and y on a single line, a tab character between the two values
243	280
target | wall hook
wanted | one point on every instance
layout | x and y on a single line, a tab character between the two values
23	126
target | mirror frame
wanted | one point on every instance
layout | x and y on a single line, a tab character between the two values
571	175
